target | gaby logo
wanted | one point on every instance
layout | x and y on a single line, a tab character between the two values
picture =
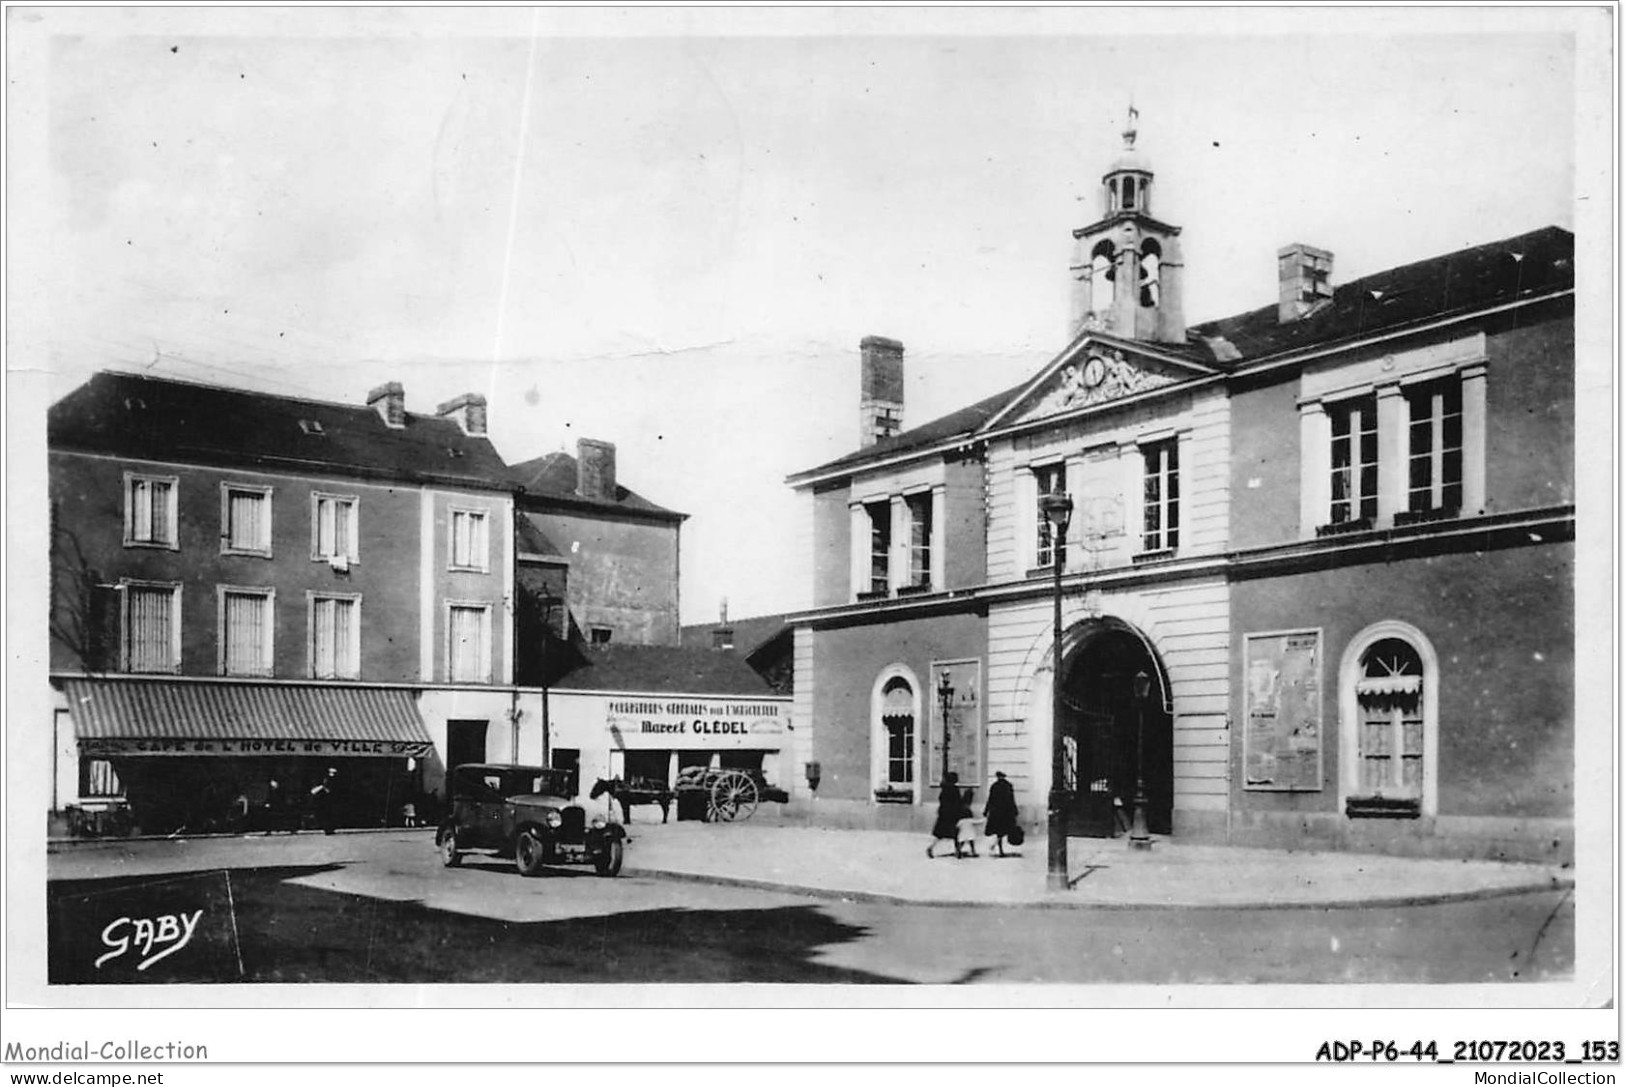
129	935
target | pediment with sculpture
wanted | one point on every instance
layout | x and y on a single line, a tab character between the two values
1100	375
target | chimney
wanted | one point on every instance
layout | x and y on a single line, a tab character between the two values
595	469
390	400
1305	274
880	391
468	410
723	636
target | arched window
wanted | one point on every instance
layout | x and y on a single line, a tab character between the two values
1390	711
1103	277
1128	194
897	718
1150	273
1111	189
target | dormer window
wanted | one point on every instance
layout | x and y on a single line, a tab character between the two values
312	427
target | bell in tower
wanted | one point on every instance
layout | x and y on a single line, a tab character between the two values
1126	266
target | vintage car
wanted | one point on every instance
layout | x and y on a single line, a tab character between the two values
525	812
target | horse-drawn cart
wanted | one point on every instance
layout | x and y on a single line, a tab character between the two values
701	792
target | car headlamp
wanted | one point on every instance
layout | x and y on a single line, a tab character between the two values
554	819
598	822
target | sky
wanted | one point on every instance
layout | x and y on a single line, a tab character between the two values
670	228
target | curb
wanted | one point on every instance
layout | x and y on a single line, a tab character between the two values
881	898
59	843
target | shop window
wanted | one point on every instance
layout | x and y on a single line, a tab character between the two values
150	518
879	546
97	778
152	627
919	539
246	626
896	741
469	548
465	742
1047	479
1435	483
245	520
334	521
1354	461
468	649
1161	495
335	637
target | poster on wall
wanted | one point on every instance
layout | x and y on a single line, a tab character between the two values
962	730
1281	747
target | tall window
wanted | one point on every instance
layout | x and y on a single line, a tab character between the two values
1389	696
468	540
1049	479
1435	446
469	643
152	634
246	631
1102	277
1161	495
1354	459
333	528
245	520
879	546
919	539
335	637
149	511
1150	273
897	717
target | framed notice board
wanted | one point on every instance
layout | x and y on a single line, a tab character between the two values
963	728
1281	741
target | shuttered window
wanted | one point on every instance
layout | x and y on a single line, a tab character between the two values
151	628
149	511
335	637
468	540
246	517
333	528
469	638
245	631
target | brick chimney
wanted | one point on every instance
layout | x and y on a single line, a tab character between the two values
595	469
1306	274
390	401
880	390
468	410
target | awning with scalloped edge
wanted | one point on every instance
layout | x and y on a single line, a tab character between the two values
1389	685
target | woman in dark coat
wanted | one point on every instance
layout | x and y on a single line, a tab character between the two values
1000	811
950	810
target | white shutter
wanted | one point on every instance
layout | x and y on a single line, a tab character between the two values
1131	465
860	551
1026	520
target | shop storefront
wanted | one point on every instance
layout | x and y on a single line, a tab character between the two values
200	756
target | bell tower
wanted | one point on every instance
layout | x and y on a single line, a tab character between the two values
1126	266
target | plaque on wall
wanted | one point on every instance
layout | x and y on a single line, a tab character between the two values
1281	743
963	727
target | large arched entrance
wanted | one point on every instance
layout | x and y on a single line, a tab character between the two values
1108	726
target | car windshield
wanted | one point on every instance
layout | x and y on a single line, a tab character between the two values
525	782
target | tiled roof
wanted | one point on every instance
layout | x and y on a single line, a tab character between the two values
1483	276
551	479
1460	282
749	634
153	418
531	540
666	670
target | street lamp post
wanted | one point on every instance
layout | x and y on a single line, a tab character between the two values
1057	509
945	698
1139	837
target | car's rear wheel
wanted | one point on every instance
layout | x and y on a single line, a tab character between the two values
528	853
608	863
446	843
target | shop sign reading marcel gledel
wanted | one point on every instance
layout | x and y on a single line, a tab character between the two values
694	721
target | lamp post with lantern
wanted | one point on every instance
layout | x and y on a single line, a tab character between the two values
1057	510
945	699
1139	837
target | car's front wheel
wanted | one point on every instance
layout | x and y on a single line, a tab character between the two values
446	842
608	862
528	853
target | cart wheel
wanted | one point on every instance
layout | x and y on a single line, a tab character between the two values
528	853
733	796
609	861
447	844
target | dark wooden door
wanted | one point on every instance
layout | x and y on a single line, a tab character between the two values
1095	788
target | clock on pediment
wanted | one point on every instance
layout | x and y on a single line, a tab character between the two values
1102	375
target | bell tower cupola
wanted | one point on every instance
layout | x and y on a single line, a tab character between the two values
1126	266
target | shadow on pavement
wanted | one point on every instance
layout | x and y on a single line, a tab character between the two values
280	931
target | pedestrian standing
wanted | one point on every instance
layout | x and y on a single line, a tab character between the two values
323	799
1000	811
950	810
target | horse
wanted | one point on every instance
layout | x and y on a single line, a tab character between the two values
636	791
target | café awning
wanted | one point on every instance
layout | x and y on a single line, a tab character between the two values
172	717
